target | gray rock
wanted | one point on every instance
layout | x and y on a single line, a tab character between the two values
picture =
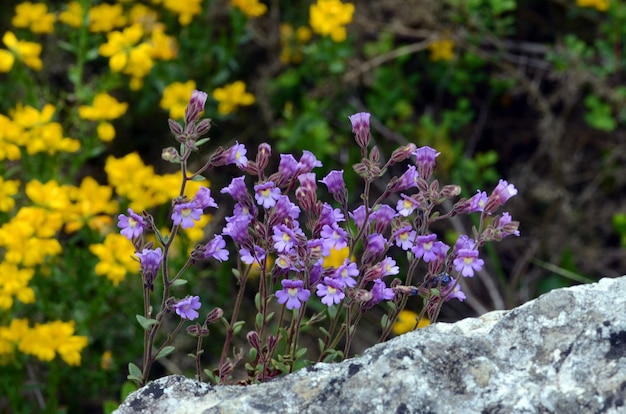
564	352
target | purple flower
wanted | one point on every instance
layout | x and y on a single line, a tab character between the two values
293	293
506	226
467	262
307	162
382	216
195	106
237	189
375	246
266	194
429	249
215	248
407	180
187	308
285	209
500	195
346	273
237	155
464	242
185	214
334	236
331	291
425	161
336	185
287	166
389	267
407	205
131	226
404	237
478	201
380	292
452	291
284	238
358	216
237	228
150	261
307	181
203	198
248	258
329	215
361	128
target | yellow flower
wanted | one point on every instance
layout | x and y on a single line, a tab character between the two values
232	96
10	336
176	97
144	15
406	322
186	10
74	15
27	52
44	341
329	18
441	50
106	17
251	8
106	360
8	189
9	133
119	45
163	47
91	205
34	17
600	5
336	257
116	256
14	283
291	43
104	107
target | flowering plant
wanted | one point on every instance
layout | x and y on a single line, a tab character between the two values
279	216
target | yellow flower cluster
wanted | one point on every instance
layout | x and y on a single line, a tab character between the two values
43	341
33	16
231	96
186	10
104	108
26	52
251	8
116	258
601	5
33	130
441	50
291	43
330	17
176	97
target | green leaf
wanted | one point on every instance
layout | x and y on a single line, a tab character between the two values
300	353
198	178
237	327
202	141
258	321
127	388
269	317
134	373
179	282
384	321
146	323
165	352
324	331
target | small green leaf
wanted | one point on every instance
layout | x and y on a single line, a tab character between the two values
146	323
165	352
258	321
202	141
324	331
252	353
269	317
384	321
237	327
300	353
179	282
134	373
198	178
321	344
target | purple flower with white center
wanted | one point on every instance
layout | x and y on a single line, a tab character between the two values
331	291
248	258
334	237
407	205
307	162
464	242
237	189
132	225
358	216
187	308
284	238
389	267
203	198
287	165
405	237
186	214
216	248
407	180
286	209
507	226
380	292
467	262
361	128
346	273
244	212
425	161
429	249
237	155
500	195
150	261
478	201
453	291
284	262
382	216
336	185
293	293
328	215
317	250
237	229
266	194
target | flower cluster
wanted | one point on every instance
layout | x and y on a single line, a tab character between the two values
442	49
330	17
277	214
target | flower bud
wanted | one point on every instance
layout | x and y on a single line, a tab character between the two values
214	316
402	153
263	155
175	128
450	191
170	154
203	127
254	340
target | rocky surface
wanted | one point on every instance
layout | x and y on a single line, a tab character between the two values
564	352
